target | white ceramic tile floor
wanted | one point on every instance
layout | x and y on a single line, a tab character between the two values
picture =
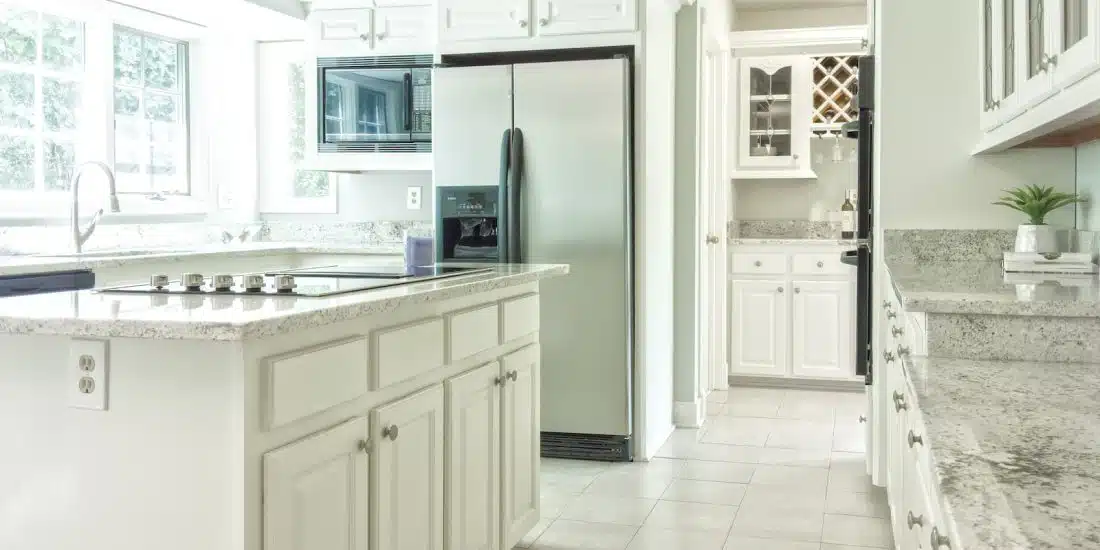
772	470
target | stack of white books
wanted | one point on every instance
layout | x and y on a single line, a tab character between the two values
1065	262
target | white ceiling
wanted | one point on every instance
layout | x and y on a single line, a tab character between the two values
792	4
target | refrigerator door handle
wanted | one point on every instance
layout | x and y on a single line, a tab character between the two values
502	197
515	202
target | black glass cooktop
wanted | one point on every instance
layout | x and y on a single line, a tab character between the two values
377	272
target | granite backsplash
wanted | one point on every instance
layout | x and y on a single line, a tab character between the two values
786	229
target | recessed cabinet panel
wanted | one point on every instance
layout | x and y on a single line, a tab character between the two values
473	459
520	441
824	331
404	29
586	16
759	344
1075	40
1034	27
347	32
484	19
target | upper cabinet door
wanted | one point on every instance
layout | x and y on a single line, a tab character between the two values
473	459
775	113
342	32
316	491
1075	40
990	66
483	19
404	29
408	473
1034	36
823	326
759	325
521	442
586	16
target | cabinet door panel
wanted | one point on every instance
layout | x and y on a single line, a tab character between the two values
316	491
1075	40
776	108
759	327
404	29
823	329
1034	31
520	441
408	472
586	16
483	19
473	459
342	32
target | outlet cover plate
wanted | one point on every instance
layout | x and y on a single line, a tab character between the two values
414	196
86	378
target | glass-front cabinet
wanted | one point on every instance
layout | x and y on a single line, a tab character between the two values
774	128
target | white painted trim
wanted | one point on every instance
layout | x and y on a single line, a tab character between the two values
675	5
689	414
812	40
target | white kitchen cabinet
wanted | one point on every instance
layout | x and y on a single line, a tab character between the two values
473	459
521	443
759	326
404	29
346	31
821	339
316	491
586	16
407	475
775	102
1075	40
483	19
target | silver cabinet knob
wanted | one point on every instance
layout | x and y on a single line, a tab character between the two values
888	356
758	263
886	304
903	351
500	380
891	314
390	432
380	36
779	290
712	239
522	23
364	445
820	264
797	290
544	21
937	540
364	37
915	439
899	402
914	520
897	331
862	419
513	375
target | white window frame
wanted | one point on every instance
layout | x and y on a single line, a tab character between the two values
96	135
275	179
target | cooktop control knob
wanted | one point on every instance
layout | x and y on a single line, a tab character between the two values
192	281
223	283
158	281
253	283
285	283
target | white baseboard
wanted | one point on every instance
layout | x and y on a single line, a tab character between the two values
689	414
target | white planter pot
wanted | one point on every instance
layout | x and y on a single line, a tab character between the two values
1036	238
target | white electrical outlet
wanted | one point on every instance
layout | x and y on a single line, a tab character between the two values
87	374
412	200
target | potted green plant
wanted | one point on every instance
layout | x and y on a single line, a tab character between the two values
1036	202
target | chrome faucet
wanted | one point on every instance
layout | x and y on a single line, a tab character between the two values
81	236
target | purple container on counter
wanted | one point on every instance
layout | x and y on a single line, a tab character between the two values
419	251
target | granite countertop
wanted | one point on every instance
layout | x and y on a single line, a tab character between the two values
1016	450
213	317
983	288
23	265
780	241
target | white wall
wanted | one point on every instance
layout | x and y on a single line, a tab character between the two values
927	118
801	199
1088	185
374	196
761	19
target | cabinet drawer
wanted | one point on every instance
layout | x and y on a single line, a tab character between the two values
472	330
519	316
308	381
819	264
764	264
404	352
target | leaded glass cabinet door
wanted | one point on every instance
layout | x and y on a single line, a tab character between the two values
1009	63
991	68
775	113
1074	40
1034	44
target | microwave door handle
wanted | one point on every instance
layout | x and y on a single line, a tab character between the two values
408	101
503	190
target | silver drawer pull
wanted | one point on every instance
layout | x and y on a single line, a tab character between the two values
914	520
937	540
899	402
915	439
897	331
891	314
758	263
390	432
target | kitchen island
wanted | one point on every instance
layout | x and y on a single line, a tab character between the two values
382	419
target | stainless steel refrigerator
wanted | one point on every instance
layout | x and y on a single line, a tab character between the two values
554	139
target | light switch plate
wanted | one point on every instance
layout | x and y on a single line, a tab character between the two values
86	382
413	199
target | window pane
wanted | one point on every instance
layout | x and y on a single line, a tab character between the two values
127	102
62	43
60	104
161	64
16	100
18	36
60	159
161	107
16	163
127	58
307	183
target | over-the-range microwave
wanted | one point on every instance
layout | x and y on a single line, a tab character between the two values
374	104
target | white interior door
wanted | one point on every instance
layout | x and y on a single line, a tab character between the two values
719	215
703	236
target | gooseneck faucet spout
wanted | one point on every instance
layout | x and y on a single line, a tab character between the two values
81	236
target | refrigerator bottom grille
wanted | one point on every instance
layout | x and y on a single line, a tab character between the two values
610	448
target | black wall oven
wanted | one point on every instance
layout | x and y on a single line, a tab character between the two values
374	104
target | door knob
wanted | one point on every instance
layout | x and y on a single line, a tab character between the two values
712	239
